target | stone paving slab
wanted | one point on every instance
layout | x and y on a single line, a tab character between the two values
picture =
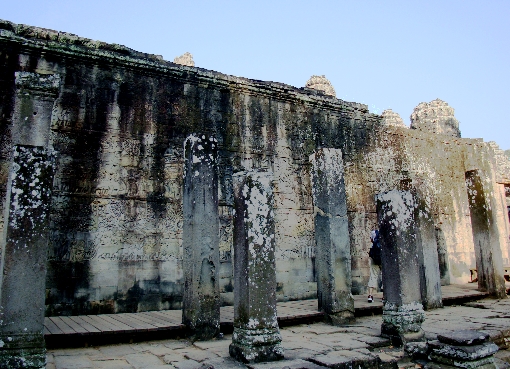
292	364
112	364
144	360
344	359
314	346
73	362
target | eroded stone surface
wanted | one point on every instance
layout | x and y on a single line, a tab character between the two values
256	336
488	250
201	264
435	117
463	338
321	83
402	311
391	118
464	352
333	251
185	59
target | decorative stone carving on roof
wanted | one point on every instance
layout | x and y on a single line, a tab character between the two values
185	59
435	117
391	118
321	83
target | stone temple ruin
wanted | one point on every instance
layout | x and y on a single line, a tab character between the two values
129	182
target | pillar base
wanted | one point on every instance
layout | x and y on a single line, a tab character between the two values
25	351
255	354
203	332
340	318
402	324
256	345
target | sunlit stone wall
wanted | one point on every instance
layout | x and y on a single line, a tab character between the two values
118	128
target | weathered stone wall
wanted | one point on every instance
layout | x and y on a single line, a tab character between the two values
118	128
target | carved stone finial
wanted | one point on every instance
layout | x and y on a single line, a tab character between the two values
185	59
435	117
321	83
390	118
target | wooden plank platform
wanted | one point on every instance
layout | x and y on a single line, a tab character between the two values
100	329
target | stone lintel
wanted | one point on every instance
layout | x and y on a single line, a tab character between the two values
201	299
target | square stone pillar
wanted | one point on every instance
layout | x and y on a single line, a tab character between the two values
200	239
488	254
24	244
256	335
430	277
402	311
35	97
333	251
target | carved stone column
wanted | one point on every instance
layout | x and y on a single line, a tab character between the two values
485	237
201	260
430	277
333	251
402	311
256	335
26	231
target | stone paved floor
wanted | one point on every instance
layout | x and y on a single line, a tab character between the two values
306	346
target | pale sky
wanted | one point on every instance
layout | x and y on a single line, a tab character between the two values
386	54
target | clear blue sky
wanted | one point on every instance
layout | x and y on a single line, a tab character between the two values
386	54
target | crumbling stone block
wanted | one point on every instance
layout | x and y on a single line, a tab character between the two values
322	84
435	117
463	349
463	338
391	118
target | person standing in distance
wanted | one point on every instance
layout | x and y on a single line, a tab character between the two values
375	264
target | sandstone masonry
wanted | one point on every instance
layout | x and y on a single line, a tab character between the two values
117	125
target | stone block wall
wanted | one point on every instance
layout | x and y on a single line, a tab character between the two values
117	132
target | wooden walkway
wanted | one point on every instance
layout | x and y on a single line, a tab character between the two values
84	330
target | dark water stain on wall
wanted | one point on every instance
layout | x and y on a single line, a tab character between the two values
78	164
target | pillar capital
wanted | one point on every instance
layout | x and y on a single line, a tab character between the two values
35	83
